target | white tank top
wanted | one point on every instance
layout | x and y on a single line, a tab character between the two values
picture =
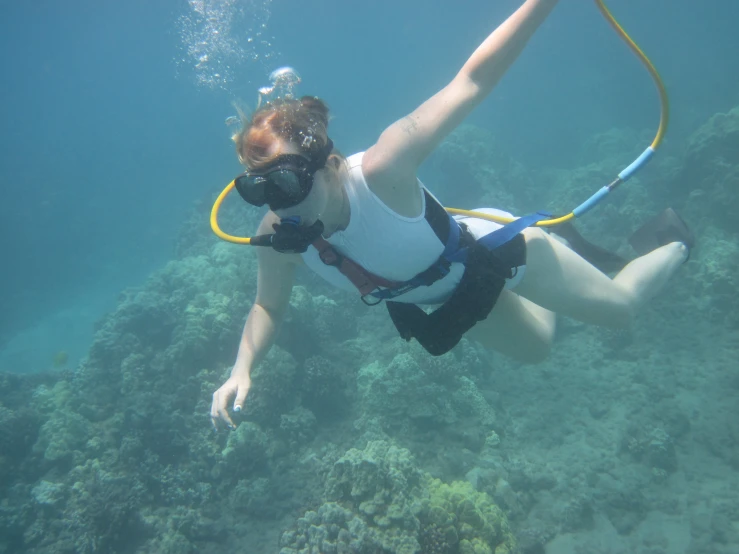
390	245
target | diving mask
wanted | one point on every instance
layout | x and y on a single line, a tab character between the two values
284	182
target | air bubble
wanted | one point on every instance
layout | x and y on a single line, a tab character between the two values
219	40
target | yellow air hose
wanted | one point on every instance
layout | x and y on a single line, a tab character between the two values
579	210
214	218
631	169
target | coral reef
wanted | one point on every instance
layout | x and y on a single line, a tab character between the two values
378	501
457	518
710	175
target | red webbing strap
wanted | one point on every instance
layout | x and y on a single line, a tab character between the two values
365	281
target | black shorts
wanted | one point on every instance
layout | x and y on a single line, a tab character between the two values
483	281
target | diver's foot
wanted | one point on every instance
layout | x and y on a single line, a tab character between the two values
679	250
663	229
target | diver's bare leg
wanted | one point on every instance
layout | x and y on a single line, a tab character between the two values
517	328
559	280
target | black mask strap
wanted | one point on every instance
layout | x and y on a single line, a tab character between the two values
320	161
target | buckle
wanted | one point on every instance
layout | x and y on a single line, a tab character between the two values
367	303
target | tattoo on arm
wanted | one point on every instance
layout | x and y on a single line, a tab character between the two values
409	125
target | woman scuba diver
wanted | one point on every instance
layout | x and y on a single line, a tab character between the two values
366	222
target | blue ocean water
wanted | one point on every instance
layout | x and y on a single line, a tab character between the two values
113	135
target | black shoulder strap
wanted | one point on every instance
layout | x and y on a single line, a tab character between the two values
437	217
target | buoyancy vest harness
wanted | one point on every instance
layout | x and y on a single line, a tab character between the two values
482	282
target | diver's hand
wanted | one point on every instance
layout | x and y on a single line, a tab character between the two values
237	385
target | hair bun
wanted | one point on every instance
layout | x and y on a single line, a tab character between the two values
303	122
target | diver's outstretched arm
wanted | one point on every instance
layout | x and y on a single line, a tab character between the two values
275	278
406	143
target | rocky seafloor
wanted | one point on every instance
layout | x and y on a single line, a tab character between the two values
353	440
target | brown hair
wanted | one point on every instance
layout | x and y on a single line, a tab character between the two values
303	122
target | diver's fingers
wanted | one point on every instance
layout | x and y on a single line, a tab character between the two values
214	411
218	409
243	390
